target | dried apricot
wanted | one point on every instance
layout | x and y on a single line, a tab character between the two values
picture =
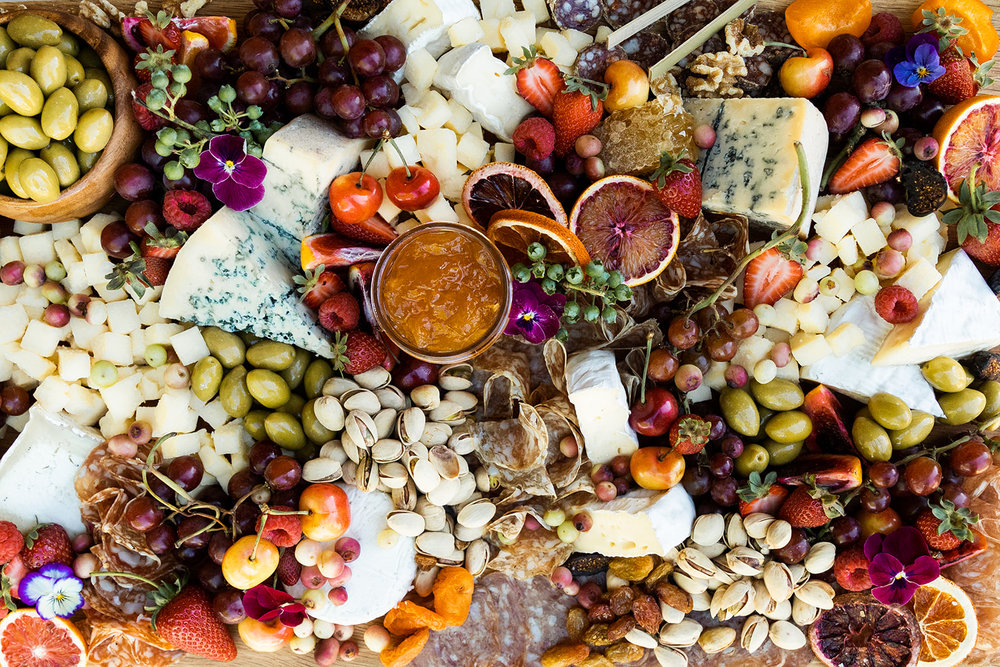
576	622
631	569
401	654
621	600
647	613
621	627
814	23
407	617
564	655
624	653
453	594
597	635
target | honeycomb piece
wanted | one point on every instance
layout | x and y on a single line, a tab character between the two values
634	138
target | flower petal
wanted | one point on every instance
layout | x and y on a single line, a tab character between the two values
873	545
46	607
250	172
228	147
884	568
67	606
292	618
269	616
899	592
56	571
918	40
236	196
926	55
907	74
906	544
33	587
211	169
924	570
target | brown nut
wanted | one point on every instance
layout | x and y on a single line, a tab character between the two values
565	655
631	569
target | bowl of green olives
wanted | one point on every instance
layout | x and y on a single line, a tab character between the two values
66	125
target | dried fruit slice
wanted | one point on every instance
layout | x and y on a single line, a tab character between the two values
947	621
335	251
622	222
500	186
860	630
513	231
220	30
969	134
28	640
192	43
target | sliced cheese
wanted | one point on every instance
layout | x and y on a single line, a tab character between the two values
420	24
639	523
596	392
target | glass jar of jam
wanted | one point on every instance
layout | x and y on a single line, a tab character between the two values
442	292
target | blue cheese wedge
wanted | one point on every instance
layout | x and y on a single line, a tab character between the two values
638	523
959	316
231	275
596	392
752	169
37	472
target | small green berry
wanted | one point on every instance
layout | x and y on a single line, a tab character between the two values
217	125
227	94
167	135
591	313
538	270
183	136
609	315
520	273
214	103
103	374
162	149
254	112
595	268
536	252
160	80
54	270
623	293
574	276
615	278
156	99
549	286
173	170
178	89
555	272
190	158
571	309
155	355
181	73
562	335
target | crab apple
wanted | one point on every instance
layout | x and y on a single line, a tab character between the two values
244	565
329	512
264	637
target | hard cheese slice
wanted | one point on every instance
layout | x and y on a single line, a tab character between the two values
596	392
854	375
420	24
752	169
639	523
229	274
958	317
37	472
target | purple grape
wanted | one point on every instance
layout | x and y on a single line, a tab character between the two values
348	102
288	9
186	182
323	103
299	98
395	52
879	50
564	186
841	111
395	122
332	73
903	98
375	123
543	167
926	113
909	136
210	65
367	57
259	54
191	112
847	52
872	80
297	47
265	24
153	159
333	47
134	181
252	87
724	491
352	129
380	91
890	191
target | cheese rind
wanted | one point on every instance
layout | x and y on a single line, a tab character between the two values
619	529
596	392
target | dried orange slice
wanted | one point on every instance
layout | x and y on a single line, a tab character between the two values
969	134
947	622
621	221
499	186
192	43
28	640
513	231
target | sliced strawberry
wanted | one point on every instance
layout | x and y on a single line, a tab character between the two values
318	285
156	271
769	277
762	494
373	230
874	161
161	33
538	80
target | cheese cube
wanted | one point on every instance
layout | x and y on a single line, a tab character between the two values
809	348
439	211
843	212
451	188
31	364
116	348
387	210
818	272
830	303
411	94
190	346
38	248
438	150
926	232
160	334
420	68
109	295
10	250
639	523
240	461
789	371
752	350
920	277
432	110
65	230
33	301
503	152
214	463
786	315
558	49
460	119
845	338
595	389
472	151
869	236
846	284
174	414
407	146
232	438
182	444
66	252
90	232
43	339
110	426
150	314
409	119
84	334
85	405
52	393
847	250
9	294
378	165
6	365
123	398
578	40
76	278
24	228
149	390
97	266
518	32
464	32
475	129
776	335
214	414
496	9
138	340
539	8
13	321
491	34
463	216
813	317
123	317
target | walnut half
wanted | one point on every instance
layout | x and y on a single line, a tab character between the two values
714	75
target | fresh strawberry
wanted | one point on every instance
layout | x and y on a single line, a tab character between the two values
761	495
10	580
987	251
47	543
769	276
289	570
11	541
810	507
318	285
977	217
946	526
689	434
162	245
958	81
159	31
340	312
373	230
678	184
850	567
576	111
152	59
157	269
874	161
357	352
186	620
148	120
538	80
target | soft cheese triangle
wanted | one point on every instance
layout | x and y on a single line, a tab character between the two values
596	392
961	315
420	24
638	523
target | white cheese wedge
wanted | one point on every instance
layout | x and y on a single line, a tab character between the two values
379	577
37	472
961	315
474	78
596	392
752	169
620	530
420	24
853	373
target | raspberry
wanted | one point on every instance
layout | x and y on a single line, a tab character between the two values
340	312
289	569
896	304
281	530
535	138
851	569
11	541
147	119
885	27
186	209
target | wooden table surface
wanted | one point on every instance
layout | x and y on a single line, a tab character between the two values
236	9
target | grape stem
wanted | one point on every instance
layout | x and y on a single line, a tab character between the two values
934	451
789	233
852	142
785	45
645	367
127	575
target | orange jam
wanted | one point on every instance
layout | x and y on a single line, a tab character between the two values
442	292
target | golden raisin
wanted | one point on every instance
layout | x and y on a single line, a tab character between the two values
631	569
601	613
564	655
596	660
624	653
576	623
673	596
621	627
621	600
597	635
647	613
659	573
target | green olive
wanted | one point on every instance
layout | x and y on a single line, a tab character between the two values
91	94
250	338
315	431
253	423
34	31
89	58
93	130
962	406
991	390
227	347
268	388
294	405
285	431
68	44
921	425
206	378
945	374
11	168
86	160
307	453
740	411
6	44
19	60
871	440
39	180
297	371
74	72
782	453
102	76
777	394
318	372
753	459
59	115
48	69
272	355
23	132
889	411
4	147
62	160
786	427
233	392
21	93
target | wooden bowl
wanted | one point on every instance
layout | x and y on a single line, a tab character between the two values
97	186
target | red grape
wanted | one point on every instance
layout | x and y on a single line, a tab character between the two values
141	213
228	605
218	545
875	500
134	181
883	474
732	446
323	103
210	65
970	458
332	73
283	473
191	112
210	577
160	539
845	530
724	491
903	98
333	47
871	80
252	87
380	91
720	465
796	549
890	191
297	47
149	154
260	55
847	51
261	454
743	323
348	102
696	480
956	494
191	529
395	52
242	483
186	471
299	98
922	476
353	128
376	123
927	113
265	24
288	9
841	111
662	365
879	50
143	514
683	333
367	57
115	239
720	346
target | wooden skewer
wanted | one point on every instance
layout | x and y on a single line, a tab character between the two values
697	39
643	21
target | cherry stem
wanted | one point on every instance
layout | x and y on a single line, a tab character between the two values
852	142
785	45
200	531
127	575
260	533
387	137
645	367
934	451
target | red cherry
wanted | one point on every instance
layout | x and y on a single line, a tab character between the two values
413	190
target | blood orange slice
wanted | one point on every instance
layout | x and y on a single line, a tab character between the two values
947	622
513	231
220	30
968	134
622	222
28	640
499	186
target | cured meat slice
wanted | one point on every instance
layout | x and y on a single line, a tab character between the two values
690	18
575	14
619	12
646	48
594	60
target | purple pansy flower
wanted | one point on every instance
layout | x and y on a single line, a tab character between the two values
917	63
899	564
266	604
237	177
54	591
534	314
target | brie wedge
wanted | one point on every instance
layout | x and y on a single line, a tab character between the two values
596	392
630	526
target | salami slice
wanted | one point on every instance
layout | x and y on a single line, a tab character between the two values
646	48
619	12
575	14
690	18
773	28
594	59
759	75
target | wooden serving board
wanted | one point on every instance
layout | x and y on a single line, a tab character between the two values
237	9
